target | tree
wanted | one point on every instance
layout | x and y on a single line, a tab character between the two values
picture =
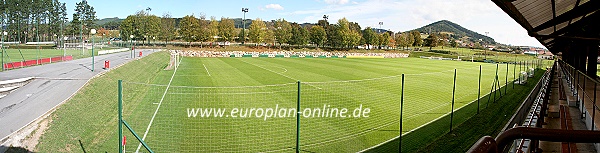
167	27
141	25
103	32
384	39
299	35
202	31
344	35
391	41
443	40
226	29
400	40
257	31
241	34
151	27
355	38
318	35
432	41
128	27
213	29
417	41
410	40
189	28
27	20
283	31
370	37
270	36
84	15
453	43
56	16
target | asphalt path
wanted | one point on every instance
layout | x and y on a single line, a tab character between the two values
54	84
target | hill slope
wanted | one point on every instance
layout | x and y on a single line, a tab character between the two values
445	26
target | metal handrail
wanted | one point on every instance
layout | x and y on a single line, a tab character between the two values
543	88
489	145
563	63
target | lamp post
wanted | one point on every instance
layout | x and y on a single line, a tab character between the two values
245	10
4	33
63	35
92	33
131	43
64	47
485	50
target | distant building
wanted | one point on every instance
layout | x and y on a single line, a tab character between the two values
379	31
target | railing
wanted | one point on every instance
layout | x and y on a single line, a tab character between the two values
584	89
526	114
536	114
488	144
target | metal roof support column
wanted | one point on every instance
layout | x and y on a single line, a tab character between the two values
592	56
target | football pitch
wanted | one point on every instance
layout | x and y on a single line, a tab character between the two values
250	104
17	55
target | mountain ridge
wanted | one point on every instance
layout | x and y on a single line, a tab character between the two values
456	31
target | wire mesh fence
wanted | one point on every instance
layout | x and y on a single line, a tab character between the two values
340	116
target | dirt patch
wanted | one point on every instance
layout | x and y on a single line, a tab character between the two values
28	137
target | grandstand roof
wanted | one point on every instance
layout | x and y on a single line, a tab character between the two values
555	23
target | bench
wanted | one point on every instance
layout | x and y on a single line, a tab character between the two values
566	124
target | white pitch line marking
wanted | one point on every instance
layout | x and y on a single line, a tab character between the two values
279	73
206	69
158	107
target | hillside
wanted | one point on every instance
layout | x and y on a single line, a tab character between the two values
457	31
110	23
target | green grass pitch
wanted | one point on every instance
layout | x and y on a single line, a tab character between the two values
265	83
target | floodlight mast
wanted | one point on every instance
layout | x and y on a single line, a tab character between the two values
245	10
93	32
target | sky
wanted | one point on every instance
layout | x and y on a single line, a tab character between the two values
480	16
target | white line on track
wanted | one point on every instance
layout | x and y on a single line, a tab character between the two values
158	107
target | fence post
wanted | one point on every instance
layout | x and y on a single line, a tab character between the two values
120	107
593	106
453	91
298	120
479	90
506	79
583	97
576	85
514	74
401	110
495	83
520	67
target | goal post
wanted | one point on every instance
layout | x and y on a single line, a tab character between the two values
173	61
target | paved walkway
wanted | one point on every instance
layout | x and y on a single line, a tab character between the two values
575	113
54	84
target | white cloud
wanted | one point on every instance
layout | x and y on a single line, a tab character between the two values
340	2
397	15
274	6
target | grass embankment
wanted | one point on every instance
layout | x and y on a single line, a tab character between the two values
90	117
